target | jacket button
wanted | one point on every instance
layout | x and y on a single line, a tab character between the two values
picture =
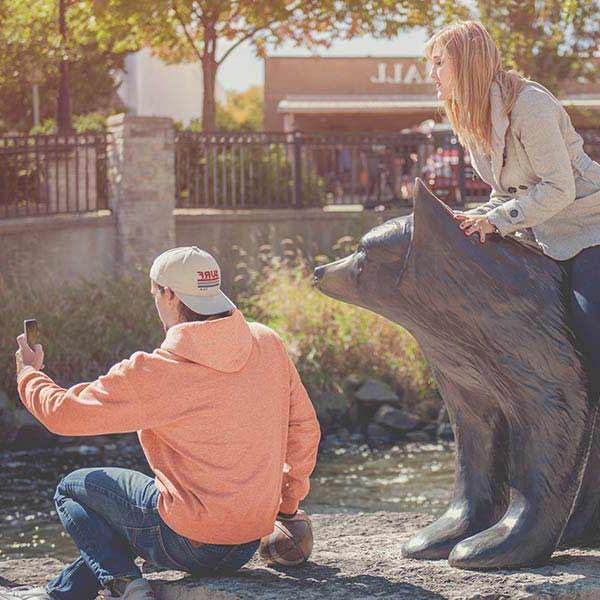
514	213
522	187
512	190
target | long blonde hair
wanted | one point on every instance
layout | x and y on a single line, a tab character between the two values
476	63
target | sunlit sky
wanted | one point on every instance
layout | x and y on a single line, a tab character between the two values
243	69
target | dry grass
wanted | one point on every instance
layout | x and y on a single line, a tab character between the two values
330	340
86	327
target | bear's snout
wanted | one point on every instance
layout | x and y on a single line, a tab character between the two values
319	272
335	279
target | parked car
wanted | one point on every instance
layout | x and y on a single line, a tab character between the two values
442	175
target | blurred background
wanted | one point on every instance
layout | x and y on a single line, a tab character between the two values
273	134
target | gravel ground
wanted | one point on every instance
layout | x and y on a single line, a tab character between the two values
358	557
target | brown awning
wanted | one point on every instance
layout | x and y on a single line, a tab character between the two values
382	104
356	104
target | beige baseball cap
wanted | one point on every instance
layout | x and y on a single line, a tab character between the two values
195	278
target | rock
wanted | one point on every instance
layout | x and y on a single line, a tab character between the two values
443	416
358	556
332	410
341	438
343	435
430	430
395	418
444	432
376	392
358	438
331	441
351	385
7	420
359	417
30	433
429	408
378	435
417	437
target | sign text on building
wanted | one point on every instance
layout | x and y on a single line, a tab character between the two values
399	73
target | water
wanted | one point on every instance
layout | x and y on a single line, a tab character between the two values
403	478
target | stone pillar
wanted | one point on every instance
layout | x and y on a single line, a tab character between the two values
141	179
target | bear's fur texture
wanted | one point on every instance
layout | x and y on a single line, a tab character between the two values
493	321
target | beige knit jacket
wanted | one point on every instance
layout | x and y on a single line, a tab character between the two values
541	178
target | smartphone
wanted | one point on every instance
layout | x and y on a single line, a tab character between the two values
30	327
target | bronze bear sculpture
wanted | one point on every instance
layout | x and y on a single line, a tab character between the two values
493	322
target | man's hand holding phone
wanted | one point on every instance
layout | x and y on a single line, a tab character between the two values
30	353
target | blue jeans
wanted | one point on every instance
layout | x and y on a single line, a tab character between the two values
585	305
112	516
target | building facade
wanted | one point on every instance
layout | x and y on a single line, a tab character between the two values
149	87
340	94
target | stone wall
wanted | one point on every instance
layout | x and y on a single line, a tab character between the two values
238	238
142	221
58	248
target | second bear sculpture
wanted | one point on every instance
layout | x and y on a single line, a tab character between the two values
492	319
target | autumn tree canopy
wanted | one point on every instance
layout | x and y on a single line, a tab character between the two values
210	30
548	40
31	53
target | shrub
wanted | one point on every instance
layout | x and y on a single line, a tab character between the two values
224	174
330	340
85	123
241	111
86	327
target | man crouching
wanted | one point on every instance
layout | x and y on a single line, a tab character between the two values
219	409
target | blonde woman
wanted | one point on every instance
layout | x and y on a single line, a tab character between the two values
545	190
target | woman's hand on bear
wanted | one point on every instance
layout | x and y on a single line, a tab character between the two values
475	224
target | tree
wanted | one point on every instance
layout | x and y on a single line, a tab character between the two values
210	30
550	41
64	124
242	111
31	52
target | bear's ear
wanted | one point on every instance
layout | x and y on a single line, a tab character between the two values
440	248
438	245
433	221
437	237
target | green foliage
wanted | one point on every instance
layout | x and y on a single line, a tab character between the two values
87	327
82	123
263	176
242	111
32	50
330	340
89	122
209	31
46	127
550	41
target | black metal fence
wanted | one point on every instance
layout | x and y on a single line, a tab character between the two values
50	174
235	170
591	141
253	170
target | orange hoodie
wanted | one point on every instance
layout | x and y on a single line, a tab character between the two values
221	414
